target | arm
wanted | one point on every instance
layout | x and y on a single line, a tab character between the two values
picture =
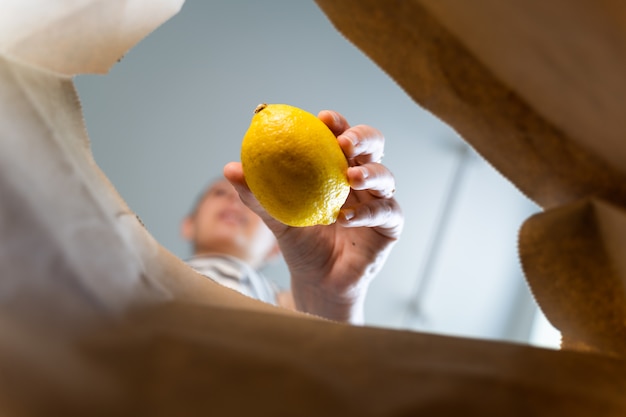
332	266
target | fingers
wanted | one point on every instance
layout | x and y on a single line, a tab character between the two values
373	177
361	144
372	203
335	121
233	172
373	185
383	214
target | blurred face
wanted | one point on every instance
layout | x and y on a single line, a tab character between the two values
223	224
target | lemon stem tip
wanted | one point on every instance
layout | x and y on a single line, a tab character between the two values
260	107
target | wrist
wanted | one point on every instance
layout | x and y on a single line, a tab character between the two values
343	306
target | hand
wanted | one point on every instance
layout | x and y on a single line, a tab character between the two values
332	266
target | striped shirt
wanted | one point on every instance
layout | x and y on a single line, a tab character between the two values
233	273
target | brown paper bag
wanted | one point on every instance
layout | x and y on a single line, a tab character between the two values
96	318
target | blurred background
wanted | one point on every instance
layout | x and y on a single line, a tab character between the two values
173	111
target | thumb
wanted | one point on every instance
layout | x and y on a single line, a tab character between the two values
233	172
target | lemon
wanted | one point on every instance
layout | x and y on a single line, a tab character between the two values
294	166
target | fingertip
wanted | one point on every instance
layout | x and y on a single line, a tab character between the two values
357	177
347	146
346	214
233	172
335	121
328	117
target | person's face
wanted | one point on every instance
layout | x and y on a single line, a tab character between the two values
223	224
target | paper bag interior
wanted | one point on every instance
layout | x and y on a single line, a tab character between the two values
537	89
96	318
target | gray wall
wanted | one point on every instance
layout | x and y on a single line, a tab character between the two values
173	112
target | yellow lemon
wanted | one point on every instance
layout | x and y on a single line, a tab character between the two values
294	166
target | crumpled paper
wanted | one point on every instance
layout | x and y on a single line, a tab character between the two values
96	318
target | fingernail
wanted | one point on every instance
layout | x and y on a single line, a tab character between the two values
348	213
364	172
